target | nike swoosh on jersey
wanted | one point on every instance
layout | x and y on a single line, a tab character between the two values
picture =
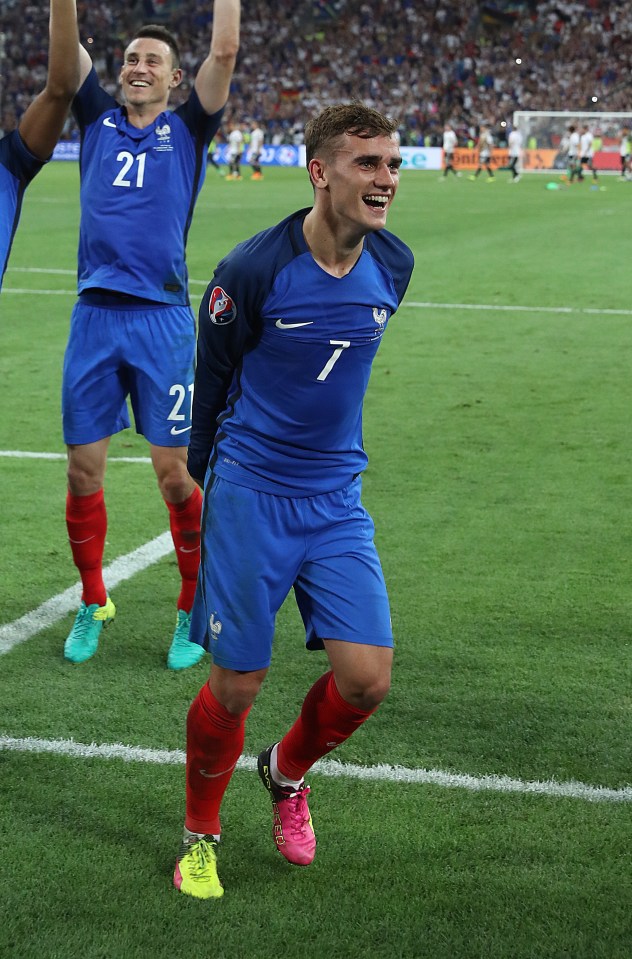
291	326
109	122
176	430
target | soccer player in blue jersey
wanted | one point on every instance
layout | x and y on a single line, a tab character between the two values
132	330
288	329
24	151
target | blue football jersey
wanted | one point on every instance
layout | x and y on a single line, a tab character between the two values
17	168
138	191
284	358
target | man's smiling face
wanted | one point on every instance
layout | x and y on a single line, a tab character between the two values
362	177
148	74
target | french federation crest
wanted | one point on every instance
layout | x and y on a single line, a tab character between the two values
221	308
379	316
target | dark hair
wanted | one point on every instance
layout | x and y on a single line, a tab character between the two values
156	32
353	119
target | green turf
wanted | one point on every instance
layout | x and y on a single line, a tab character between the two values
415	872
499	481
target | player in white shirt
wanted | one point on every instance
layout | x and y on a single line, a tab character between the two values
586	152
449	144
235	150
624	153
573	154
254	156
485	146
514	143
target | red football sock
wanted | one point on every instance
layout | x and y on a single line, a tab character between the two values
86	521
184	520
326	720
215	739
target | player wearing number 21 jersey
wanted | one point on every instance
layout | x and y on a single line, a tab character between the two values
132	330
126	173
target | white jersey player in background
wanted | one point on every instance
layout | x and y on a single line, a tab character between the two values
514	144
254	155
235	150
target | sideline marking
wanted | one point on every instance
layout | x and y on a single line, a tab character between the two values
26	455
329	767
41	269
499	308
485	307
54	609
490	307
17	289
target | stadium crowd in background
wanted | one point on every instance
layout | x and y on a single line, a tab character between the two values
424	61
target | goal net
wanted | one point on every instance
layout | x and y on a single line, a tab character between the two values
545	131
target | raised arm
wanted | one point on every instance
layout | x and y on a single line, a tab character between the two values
43	121
212	83
85	65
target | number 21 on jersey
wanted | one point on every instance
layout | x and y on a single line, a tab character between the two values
132	172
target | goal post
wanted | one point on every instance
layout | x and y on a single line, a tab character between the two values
543	131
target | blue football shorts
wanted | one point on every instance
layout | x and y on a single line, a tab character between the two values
256	547
142	351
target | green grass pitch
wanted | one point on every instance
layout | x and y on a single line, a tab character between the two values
497	424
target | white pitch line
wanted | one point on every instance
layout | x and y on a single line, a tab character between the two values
332	768
41	269
24	454
481	307
56	272
488	307
500	308
16	289
54	609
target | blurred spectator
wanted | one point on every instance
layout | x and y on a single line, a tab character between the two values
424	62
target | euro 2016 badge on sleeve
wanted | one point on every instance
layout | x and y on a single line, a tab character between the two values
221	308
